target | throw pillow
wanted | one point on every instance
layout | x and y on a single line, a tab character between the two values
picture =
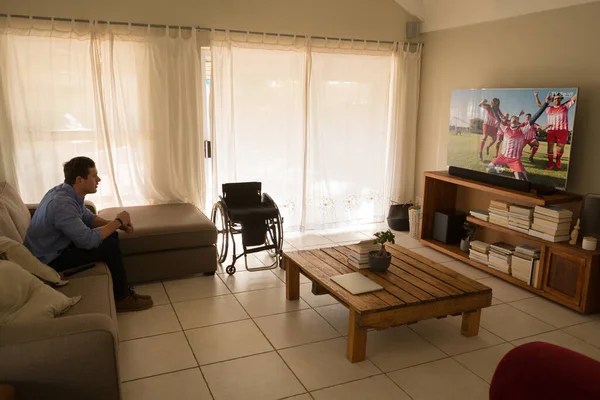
17	253
24	298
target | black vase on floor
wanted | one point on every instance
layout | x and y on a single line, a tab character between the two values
398	217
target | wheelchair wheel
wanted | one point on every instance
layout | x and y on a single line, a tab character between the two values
230	270
221	220
275	236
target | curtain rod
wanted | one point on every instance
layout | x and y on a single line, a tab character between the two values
205	29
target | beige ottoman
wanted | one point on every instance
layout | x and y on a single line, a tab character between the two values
169	241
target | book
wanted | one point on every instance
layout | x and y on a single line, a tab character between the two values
496	211
522	269
529	250
555	212
358	259
498	266
519	218
552	224
499	204
480	246
521	224
535	276
519	228
482	215
499	221
524	256
521	210
550	231
502	247
550	238
356	265
363	247
537	216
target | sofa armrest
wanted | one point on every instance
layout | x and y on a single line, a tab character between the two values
71	357
90	206
32	207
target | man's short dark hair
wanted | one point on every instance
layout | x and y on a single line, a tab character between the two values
528	114
78	166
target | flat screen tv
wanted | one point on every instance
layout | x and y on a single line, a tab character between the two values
523	134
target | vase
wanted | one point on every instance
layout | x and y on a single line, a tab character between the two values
464	245
377	263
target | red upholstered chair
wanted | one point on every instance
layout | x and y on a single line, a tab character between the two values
544	371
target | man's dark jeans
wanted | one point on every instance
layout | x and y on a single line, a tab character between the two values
109	252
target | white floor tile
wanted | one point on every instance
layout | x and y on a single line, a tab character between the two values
495	301
563	339
295	328
484	362
378	387
181	385
314	300
210	311
505	291
433	255
395	348
467	270
260	377
407	242
153	321
445	334
259	303
154	355
253	262
227	341
589	332
347	236
337	315
154	289
307	239
197	287
280	273
550	312
511	324
244	281
304	396
444	379
324	364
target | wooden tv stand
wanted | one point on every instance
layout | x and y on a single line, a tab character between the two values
569	275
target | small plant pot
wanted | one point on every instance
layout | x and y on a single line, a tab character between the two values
377	263
464	245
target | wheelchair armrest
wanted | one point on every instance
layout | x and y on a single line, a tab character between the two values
266	199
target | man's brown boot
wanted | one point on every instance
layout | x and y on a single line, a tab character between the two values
133	303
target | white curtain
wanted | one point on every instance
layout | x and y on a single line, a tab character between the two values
311	119
128	97
404	106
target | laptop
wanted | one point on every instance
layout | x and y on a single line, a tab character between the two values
356	283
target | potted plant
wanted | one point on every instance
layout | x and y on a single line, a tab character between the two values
379	260
465	242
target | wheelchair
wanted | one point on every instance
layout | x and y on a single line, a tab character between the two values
245	210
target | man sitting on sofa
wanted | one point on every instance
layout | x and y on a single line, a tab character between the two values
65	234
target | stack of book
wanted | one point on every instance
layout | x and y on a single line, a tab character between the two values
525	264
358	257
479	214
499	212
519	218
551	223
479	251
499	257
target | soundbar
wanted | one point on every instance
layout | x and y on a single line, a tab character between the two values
492	179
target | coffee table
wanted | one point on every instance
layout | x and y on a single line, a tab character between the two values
415	289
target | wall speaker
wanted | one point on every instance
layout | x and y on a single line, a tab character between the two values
412	30
590	216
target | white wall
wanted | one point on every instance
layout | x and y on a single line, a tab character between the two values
361	19
446	14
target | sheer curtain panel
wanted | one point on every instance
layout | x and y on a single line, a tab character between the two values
128	97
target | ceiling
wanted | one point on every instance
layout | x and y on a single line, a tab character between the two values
445	14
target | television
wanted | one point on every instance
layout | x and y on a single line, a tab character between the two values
523	134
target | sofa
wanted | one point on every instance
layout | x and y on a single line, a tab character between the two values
75	356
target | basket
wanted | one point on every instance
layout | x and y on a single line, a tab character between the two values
414	221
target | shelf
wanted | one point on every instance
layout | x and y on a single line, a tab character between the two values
561	245
522	197
455	252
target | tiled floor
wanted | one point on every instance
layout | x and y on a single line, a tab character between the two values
237	337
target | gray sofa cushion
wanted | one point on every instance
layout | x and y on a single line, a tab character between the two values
96	291
14	214
164	227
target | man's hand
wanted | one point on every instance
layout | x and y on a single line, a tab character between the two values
485	101
548	97
536	93
574	98
124	217
127	228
